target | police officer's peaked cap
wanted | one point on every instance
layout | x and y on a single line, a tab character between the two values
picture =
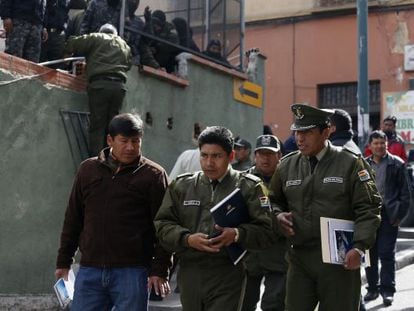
269	142
242	143
308	117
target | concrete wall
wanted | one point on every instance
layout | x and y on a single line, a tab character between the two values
303	54
208	100
36	167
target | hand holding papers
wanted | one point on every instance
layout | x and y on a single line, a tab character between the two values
337	239
64	289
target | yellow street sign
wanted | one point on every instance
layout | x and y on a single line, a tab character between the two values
248	92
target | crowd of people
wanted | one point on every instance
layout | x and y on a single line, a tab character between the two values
128	218
42	31
37	30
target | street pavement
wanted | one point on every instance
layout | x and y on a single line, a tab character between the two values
404	298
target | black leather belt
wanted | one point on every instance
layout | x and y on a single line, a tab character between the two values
107	78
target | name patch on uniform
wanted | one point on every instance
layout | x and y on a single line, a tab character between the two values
192	202
296	182
364	175
338	180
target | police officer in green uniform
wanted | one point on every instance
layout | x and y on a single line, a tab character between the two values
268	264
208	279
321	180
108	59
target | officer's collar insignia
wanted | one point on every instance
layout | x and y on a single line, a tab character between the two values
298	113
266	140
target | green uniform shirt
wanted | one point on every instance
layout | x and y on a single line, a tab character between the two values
272	258
186	210
341	186
105	53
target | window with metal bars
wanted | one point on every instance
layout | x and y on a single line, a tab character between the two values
344	96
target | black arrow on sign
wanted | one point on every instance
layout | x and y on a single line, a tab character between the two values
243	91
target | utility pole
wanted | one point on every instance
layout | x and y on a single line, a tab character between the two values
363	83
122	19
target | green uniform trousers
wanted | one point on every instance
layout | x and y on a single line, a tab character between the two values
211	286
105	101
273	298
310	281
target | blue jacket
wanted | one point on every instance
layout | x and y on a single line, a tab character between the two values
396	199
29	10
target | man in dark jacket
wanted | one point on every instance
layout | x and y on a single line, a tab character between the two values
133	24
392	183
108	58
100	12
154	53
23	21
110	218
214	50
341	131
57	17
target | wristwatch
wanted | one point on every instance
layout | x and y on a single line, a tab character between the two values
360	252
236	237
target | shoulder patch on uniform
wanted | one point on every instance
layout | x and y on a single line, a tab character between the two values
364	175
184	175
251	177
265	202
290	154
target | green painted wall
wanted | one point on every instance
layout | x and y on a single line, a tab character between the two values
36	166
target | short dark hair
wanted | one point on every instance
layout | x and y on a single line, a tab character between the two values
324	126
217	135
126	124
342	120
377	134
393	119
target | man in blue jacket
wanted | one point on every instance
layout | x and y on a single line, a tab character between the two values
391	181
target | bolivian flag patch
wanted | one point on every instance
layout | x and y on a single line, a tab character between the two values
364	175
265	202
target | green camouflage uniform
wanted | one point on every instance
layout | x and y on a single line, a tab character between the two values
210	281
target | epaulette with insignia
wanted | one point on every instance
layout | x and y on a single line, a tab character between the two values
251	177
290	154
351	151
184	175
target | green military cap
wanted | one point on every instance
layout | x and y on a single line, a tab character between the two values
308	117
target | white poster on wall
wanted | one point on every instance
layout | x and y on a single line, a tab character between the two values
401	105
409	57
